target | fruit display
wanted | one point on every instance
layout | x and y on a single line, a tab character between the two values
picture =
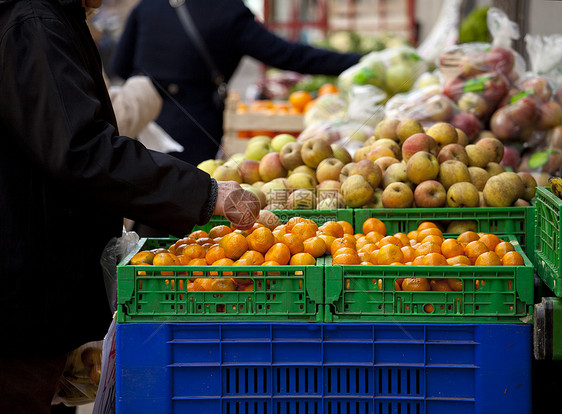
555	185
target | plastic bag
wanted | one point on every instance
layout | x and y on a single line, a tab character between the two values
105	398
545	57
326	108
365	105
391	70
444	33
81	376
155	138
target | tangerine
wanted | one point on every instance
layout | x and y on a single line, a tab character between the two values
261	239
219	231
513	259
467	237
327	88
299	100
432	231
346	259
305	230
451	248
214	253
315	246
390	240
434	259
474	249
253	257
339	243
489	258
279	253
460	260
374	224
426	225
503	247
388	254
302	259
332	228
234	245
490	240
415	284
144	257
347	227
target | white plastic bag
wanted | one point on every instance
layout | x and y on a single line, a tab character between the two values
155	138
105	398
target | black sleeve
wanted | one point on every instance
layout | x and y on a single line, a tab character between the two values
253	39
122	61
52	106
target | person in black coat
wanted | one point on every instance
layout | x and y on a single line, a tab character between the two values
155	43
67	179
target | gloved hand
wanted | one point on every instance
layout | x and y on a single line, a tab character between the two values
239	206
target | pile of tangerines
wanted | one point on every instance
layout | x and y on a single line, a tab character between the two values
301	241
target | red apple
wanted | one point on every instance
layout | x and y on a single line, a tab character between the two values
418	142
430	194
468	123
500	59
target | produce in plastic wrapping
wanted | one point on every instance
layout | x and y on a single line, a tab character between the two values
444	32
81	377
328	130
545	57
326	108
365	105
427	105
392	70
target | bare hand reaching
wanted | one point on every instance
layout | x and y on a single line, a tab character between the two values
239	206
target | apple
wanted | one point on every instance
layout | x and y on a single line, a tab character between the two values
463	194
250	171
478	177
259	138
304	169
345	171
408	127
300	181
511	157
453	88
385	162
356	191
539	86
521	203
227	173
493	168
530	185
443	133
209	166
391	145
396	173
397	195
495	88
290	155
387	129
361	153
369	171
525	112
468	123
451	172
439	108
279	141
500	59
257	150
550	115
271	167
301	199
478	156
503	126
463	138
400	77
472	64
257	192
315	150
329	169
503	190
327	189
453	152
473	103
234	160
341	153
378	151
418	142
422	166
331	203
276	192
430	194
493	146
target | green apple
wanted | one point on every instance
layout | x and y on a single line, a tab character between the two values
399	78
235	160
257	149
259	138
279	141
209	166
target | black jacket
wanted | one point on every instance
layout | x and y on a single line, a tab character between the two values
67	179
154	43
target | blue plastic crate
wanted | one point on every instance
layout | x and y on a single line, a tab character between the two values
259	368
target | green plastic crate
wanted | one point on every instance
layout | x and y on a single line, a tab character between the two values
548	248
318	216
491	294
502	221
280	293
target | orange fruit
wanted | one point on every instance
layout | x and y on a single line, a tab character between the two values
413	235
467	237
299	100
199	234
512	259
339	243
279	253
434	259
234	245
165	259
144	257
346	259
460	260
418	260
432	231
451	248
225	261
302	259
315	246
503	247
327	89
440	285
475	249
214	253
261	239
332	228
490	240
292	222
270	263
390	240
409	253
426	248
488	259
358	236
347	227
455	284
253	257
293	242
344	250
403	238
362	242
185	240
388	254
194	251
219	231
197	262
415	284
374	224
426	225
433	238
328	240
374	237
368	248
278	233
305	230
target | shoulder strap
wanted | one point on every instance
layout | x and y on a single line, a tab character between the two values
195	36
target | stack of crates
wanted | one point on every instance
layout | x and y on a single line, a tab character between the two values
329	338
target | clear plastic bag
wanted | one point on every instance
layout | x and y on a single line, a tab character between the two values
327	107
